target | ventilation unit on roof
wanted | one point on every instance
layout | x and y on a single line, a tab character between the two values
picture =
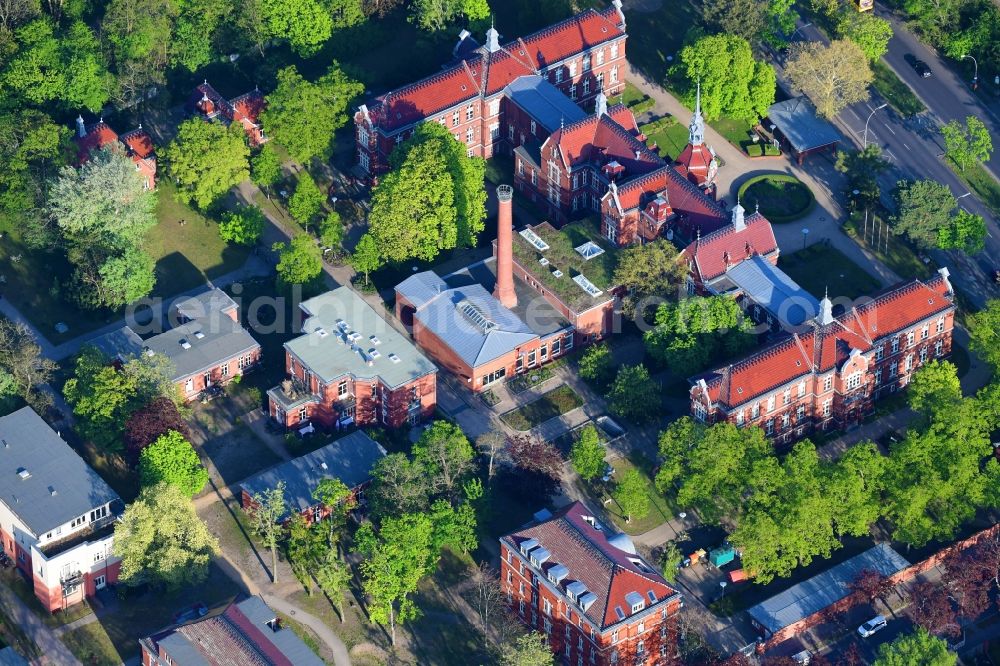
374	353
557	273
321	332
323	465
23	473
342	325
535	240
53	491
374	340
394	358
199	335
185	344
587	285
589	250
354	336
5	444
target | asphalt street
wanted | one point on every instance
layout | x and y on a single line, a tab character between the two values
915	148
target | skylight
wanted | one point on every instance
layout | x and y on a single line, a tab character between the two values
589	250
587	285
476	316
534	239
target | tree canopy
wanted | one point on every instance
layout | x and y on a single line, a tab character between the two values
924	210
171	459
696	330
162	541
307	200
732	82
632	495
648	272
207	159
24	368
243	226
832	76
916	649
436	15
446	456
587	454
303	115
634	394
300	261
984	329
967	144
871	33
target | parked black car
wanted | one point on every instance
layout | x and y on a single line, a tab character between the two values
922	68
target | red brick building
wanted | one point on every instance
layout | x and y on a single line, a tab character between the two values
136	144
244	109
580	56
351	366
709	256
585	588
56	514
830	375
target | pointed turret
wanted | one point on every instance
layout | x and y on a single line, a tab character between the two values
81	129
601	104
738	222
825	310
492	39
696	130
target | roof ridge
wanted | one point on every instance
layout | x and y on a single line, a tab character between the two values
549	29
643	178
428	80
567	526
623	133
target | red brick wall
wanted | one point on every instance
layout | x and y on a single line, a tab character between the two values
198	380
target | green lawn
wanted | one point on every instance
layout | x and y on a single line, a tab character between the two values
555	403
660	508
667	134
821	268
735	131
26	593
897	93
982	183
186	246
893	250
782	198
631	95
91	645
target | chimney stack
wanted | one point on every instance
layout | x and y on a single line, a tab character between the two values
505	251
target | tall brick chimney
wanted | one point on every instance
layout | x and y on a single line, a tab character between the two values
505	252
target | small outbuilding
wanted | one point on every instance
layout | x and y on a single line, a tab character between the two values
795	124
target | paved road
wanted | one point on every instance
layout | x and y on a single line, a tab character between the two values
52	649
915	149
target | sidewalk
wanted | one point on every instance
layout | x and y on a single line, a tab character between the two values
52	649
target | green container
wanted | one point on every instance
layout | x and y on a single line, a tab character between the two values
721	556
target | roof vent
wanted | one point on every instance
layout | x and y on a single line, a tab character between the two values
52	491
323	465
374	353
185	344
374	339
23	473
199	335
543	261
394	358
557	273
321	332
150	352
5	444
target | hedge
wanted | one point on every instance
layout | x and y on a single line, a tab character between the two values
643	105
780	178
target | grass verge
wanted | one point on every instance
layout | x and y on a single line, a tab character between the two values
668	135
555	403
91	645
821	268
894	251
982	183
660	508
897	93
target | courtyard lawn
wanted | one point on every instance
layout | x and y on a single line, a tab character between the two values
782	198
733	130
897	93
631	95
893	250
187	247
91	645
661	509
821	268
555	403
668	135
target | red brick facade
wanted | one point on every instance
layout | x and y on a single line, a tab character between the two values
580	56
830	376
137	145
219	375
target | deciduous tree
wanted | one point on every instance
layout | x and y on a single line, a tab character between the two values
303	115
871	585
207	159
596	365
307	201
743	18
632	495
305	24
862	168
924	208
932	609
161	540
435	15
265	168
587	454
916	649
634	395
967	144
22	361
670	561
531	649
366	256
493	445
984	329
445	454
732	83
398	486
649	271
934	390
965	231
300	261
243	226
171	459
334	578
871	33
339	500
267	508
832	76
147	423
537	466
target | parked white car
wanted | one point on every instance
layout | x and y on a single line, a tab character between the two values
872	626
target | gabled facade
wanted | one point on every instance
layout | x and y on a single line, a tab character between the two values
244	109
137	145
580	56
829	376
585	588
350	366
56	514
709	256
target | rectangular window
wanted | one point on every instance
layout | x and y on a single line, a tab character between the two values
940	325
510	131
611	231
342	389
189	385
699	412
769	427
556	347
755	411
878	376
302	414
470	112
224	369
614	74
895	345
827	407
568	342
923	355
802	389
494	107
879	352
909	339
572	91
572	69
586	87
545	352
363	136
520	168
787	398
576	180
893	370
534	127
614	50
547	607
586	62
800	412
938	347
770	404
600	81
455	119
559	74
614	636
531	358
853	381
908	363
470	135
924	332
600	57
739	418
828	383
494	131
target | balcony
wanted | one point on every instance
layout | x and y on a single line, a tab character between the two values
95	531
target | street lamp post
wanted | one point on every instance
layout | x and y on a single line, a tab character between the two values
805	235
722	584
877	108
975	75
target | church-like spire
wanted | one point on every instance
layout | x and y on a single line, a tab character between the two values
492	38
696	130
825	310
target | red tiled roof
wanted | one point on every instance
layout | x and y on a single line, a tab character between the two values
825	347
684	197
139	143
248	106
710	251
694	162
600	139
594	560
444	90
98	136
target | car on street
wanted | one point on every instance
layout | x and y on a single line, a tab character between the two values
872	626
922	68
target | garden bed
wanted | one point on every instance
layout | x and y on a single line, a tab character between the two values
529	379
781	198
555	403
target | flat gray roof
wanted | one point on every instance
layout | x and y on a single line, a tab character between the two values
797	120
43	481
349	459
773	289
544	102
120	343
221	338
378	349
813	595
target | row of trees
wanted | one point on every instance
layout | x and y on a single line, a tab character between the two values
785	511
959	27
